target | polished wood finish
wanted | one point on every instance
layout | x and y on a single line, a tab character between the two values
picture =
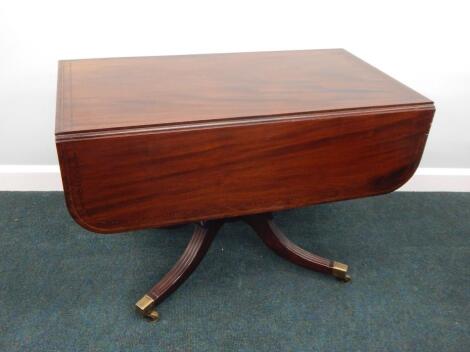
160	141
150	142
120	183
197	247
275	239
105	94
203	236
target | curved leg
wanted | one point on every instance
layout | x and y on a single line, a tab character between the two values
273	237
197	247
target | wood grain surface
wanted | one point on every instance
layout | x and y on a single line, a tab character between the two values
119	183
103	94
323	126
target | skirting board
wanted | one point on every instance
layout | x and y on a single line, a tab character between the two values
47	178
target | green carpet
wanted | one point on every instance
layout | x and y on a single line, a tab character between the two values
65	289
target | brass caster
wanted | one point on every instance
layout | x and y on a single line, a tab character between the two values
346	278
145	307
152	315
339	271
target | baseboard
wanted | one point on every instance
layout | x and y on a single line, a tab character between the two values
47	178
439	180
30	178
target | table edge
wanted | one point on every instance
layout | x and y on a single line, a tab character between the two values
170	127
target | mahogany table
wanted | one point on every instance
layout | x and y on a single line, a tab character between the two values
157	141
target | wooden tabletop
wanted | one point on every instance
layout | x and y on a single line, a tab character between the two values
124	93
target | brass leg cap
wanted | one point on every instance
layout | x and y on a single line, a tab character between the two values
339	271
145	307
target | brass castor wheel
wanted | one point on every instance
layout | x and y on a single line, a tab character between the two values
152	315
346	278
340	271
145	306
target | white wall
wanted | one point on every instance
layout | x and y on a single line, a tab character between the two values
424	44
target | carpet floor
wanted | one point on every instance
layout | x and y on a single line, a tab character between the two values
63	288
